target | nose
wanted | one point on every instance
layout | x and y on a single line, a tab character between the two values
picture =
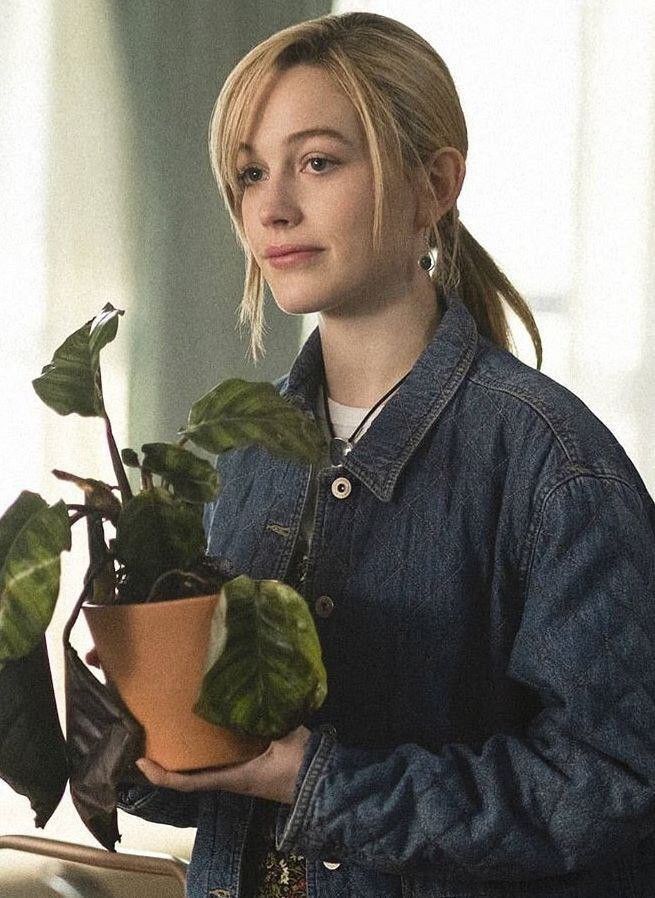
278	205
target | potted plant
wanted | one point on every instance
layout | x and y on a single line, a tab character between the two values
239	658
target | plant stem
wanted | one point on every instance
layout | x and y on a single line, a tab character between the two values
81	511
147	482
119	470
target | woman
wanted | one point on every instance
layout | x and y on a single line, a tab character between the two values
480	556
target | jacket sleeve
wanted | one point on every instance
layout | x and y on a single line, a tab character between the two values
578	784
159	805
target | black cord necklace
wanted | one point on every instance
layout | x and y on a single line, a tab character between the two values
339	447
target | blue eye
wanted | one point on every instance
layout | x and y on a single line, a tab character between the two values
243	179
319	159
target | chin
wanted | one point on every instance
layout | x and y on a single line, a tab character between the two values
305	305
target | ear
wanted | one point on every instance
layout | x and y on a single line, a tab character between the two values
446	169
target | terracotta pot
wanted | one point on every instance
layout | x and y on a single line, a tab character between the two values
154	654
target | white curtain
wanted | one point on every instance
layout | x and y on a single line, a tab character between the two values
24	124
611	310
64	124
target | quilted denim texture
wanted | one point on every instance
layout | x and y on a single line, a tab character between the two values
491	652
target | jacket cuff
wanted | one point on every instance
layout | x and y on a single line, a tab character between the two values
290	818
158	805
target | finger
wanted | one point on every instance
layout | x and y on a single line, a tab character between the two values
159	776
215	778
152	771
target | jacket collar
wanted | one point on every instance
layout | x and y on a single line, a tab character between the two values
378	458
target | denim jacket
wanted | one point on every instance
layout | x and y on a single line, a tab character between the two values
483	586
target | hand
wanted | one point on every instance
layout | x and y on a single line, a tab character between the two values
271	775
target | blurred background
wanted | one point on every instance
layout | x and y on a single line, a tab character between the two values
107	196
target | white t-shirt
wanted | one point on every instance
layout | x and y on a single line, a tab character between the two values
347	418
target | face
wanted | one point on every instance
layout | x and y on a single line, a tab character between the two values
317	190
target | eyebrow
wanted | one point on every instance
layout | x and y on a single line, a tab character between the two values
309	132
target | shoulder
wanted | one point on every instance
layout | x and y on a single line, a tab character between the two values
545	421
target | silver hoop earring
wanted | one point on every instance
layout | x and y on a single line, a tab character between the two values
428	260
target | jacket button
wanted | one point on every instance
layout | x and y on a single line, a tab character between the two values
341	487
324	606
332	865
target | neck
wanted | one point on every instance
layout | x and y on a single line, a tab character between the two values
366	355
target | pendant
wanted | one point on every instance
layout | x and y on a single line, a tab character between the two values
339	449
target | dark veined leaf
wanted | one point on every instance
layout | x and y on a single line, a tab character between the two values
96	494
238	413
192	478
71	382
269	673
130	458
15	518
33	758
32	536
156	533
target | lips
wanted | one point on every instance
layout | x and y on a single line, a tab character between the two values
299	257
273	252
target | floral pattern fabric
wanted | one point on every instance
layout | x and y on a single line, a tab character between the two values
279	875
283	876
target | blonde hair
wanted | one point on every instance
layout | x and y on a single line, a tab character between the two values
408	105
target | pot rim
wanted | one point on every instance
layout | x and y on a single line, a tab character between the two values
209	595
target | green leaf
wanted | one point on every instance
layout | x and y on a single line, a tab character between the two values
269	673
71	382
130	458
238	413
192	478
156	533
33	758
32	536
16	516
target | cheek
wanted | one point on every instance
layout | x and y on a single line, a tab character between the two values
349	219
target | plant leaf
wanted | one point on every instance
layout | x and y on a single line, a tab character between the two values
269	674
156	533
130	458
30	571
238	412
16	516
96	494
71	382
103	741
33	758
192	478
